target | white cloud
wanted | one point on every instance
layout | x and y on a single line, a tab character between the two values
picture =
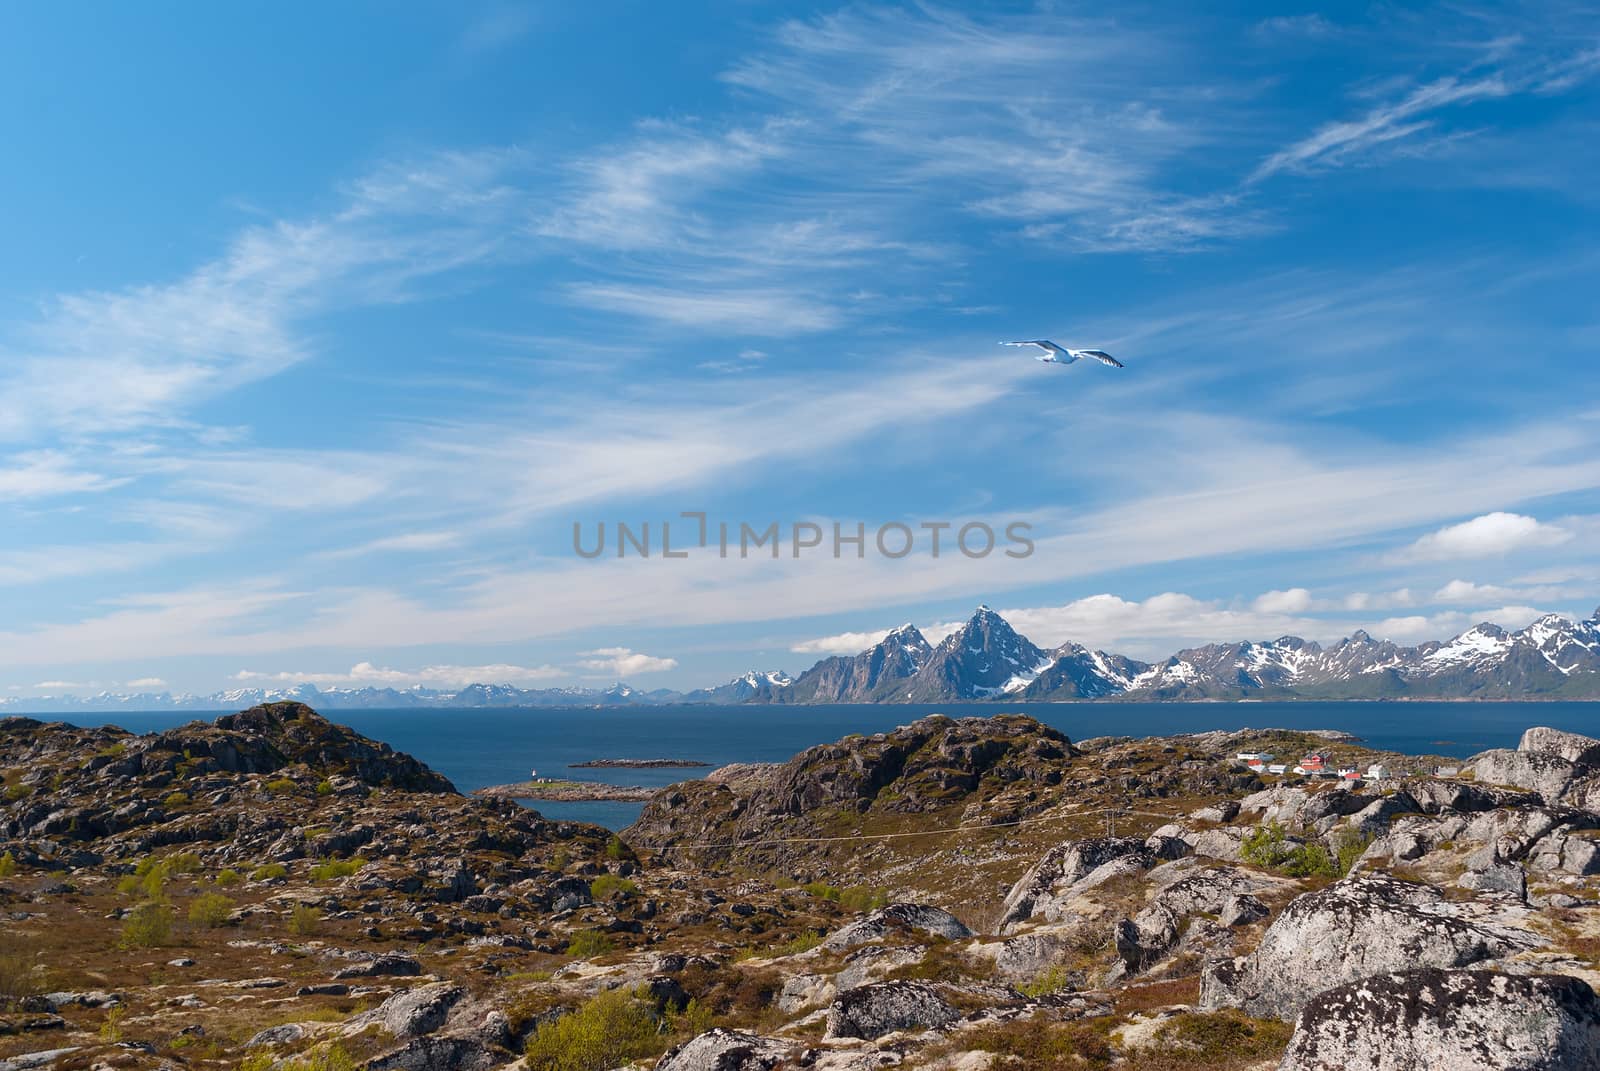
761	312
622	662
145	682
64	685
1490	535
1293	601
365	673
844	643
46	473
1419	628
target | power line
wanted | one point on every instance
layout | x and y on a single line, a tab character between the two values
1111	812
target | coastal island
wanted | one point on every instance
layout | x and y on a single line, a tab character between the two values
557	790
637	764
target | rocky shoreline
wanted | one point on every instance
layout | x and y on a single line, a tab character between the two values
277	892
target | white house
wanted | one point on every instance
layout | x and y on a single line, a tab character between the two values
1251	758
1378	771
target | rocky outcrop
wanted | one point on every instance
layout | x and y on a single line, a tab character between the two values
726	1050
1550	775
1451	1021
1048	886
1576	749
1184	910
886	1007
1354	929
897	919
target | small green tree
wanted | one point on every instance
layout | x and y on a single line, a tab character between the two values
147	926
608	1031
210	910
304	920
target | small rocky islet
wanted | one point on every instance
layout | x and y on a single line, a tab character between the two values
273	890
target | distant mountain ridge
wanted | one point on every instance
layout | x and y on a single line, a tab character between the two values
986	659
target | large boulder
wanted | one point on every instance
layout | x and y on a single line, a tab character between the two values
726	1050
1548	774
886	1007
897	919
1044	891
1353	929
412	1012
1449	1021
1223	893
1581	750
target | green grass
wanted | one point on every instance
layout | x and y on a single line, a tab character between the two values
589	943
608	885
329	869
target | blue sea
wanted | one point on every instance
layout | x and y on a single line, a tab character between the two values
475	748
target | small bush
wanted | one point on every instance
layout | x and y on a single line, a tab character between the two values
617	850
325	787
694	1020
8	865
19	973
269	871
111	1029
608	885
18	791
851	899
608	1031
803	943
1052	980
589	943
304	921
329	869
281	786
229	877
147	926
210	910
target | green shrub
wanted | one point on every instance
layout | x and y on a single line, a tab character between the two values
616	849
229	877
210	910
304	920
331	1057
803	943
608	885
608	1031
589	943
147	926
1049	981
19	972
281	786
329	869
852	898
8	865
694	1020
269	871
18	791
177	799
325	787
1265	846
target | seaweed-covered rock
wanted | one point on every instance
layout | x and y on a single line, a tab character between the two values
1451	1021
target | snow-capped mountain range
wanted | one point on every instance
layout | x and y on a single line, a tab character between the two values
986	659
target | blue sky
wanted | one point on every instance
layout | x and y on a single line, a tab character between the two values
321	327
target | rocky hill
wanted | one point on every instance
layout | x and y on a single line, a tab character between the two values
277	892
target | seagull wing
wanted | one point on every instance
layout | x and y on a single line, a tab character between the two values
1100	355
1065	356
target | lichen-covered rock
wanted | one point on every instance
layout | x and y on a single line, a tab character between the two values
1353	929
1043	891
1449	1021
1581	750
897	919
886	1007
1543	772
1222	892
726	1050
413	1012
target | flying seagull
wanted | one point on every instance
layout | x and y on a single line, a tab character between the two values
1054	354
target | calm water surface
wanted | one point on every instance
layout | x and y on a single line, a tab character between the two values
490	747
